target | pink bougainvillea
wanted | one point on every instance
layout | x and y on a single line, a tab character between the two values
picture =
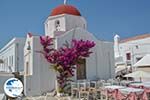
64	58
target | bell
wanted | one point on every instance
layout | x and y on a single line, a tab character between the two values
29	47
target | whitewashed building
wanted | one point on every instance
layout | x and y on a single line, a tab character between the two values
129	51
12	56
12	59
64	24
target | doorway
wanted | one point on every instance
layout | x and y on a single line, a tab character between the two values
81	70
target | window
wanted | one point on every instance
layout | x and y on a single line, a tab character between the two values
12	60
128	56
6	62
9	60
57	25
27	68
6	65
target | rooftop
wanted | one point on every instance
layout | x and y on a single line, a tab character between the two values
138	37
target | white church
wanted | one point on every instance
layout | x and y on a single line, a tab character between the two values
64	24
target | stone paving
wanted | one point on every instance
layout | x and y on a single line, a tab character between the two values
49	98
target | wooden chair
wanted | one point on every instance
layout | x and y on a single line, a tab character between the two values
93	90
74	89
83	90
103	94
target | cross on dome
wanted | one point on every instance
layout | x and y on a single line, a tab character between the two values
65	2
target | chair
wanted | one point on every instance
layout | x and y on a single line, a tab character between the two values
93	89
107	84
99	86
93	84
74	89
103	94
83	90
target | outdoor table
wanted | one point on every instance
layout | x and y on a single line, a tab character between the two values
114	87
147	82
140	85
131	94
111	91
145	86
136	85
128	90
126	82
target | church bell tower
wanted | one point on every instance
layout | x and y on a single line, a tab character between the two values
62	19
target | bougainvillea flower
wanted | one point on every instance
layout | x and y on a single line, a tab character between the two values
65	57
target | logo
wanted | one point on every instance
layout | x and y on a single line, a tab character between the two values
13	87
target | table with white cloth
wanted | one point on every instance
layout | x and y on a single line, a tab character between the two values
144	85
147	84
114	87
130	92
141	85
110	91
136	85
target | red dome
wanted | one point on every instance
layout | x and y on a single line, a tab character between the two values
65	9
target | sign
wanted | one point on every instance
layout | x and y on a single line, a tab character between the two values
13	87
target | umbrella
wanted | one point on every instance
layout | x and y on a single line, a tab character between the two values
138	74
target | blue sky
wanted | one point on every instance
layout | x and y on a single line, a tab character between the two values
105	17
